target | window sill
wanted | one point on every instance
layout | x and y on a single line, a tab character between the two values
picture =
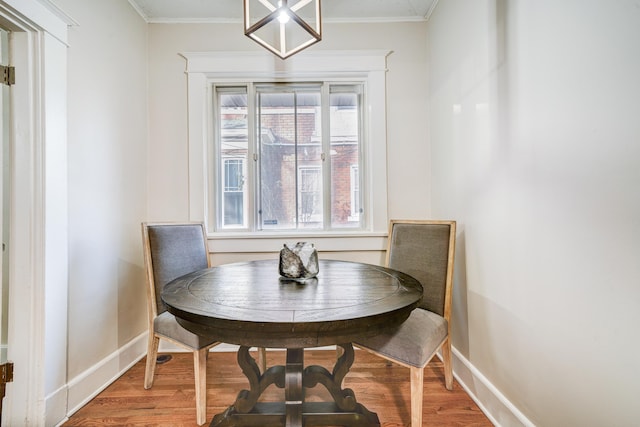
228	242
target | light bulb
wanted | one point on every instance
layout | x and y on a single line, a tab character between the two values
284	16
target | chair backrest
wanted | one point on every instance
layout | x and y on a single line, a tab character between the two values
171	250
425	250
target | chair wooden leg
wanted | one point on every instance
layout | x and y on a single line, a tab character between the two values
417	380
262	359
200	370
152	354
446	361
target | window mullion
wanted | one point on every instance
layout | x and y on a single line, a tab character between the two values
326	155
215	170
252	160
296	166
362	153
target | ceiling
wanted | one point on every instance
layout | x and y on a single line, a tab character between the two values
332	10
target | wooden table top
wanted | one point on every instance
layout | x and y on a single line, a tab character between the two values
250	304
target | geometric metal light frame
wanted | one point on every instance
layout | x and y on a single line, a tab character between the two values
282	30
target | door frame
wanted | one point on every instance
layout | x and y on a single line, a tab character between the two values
38	279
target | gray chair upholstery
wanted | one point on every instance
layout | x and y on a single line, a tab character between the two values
171	251
424	250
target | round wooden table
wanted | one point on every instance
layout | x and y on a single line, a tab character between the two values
250	305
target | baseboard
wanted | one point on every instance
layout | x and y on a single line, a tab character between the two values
499	410
90	383
56	407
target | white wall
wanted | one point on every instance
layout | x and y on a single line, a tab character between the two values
535	134
107	149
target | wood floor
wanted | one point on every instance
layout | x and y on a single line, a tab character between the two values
171	401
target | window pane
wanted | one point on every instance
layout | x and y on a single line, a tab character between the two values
233	192
290	157
233	153
345	156
310	195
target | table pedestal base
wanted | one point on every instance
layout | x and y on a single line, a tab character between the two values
294	411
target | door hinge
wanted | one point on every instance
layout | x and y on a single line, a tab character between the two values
6	373
6	376
8	74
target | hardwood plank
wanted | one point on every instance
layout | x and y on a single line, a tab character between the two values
381	388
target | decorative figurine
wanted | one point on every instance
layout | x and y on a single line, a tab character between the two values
299	262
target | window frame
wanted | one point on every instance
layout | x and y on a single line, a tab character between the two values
203	69
239	138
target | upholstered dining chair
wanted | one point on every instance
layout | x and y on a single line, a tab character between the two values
424	250
172	250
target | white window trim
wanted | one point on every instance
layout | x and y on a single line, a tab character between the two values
205	68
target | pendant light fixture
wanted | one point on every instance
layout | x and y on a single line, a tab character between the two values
284	27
